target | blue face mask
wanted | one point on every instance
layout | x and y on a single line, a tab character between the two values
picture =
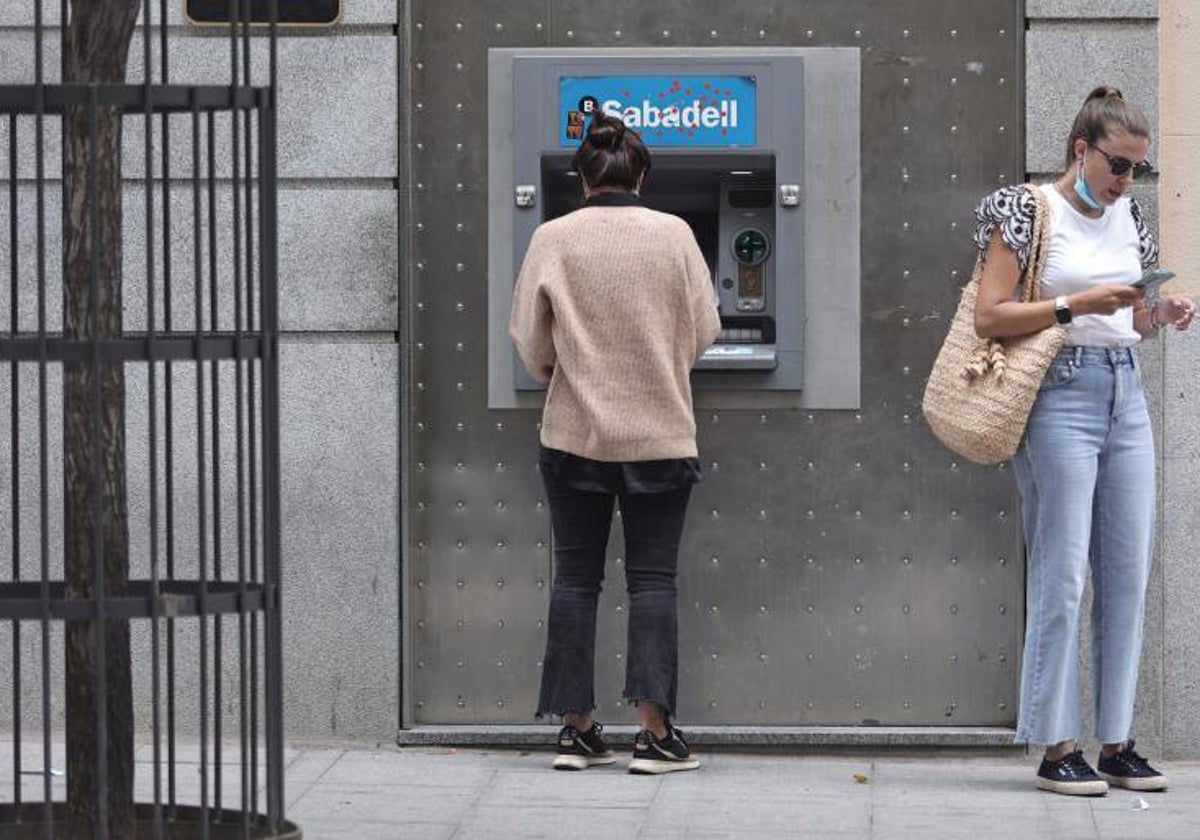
1082	190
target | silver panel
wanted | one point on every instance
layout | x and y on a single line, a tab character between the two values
838	566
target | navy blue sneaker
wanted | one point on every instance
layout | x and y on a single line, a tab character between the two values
1070	775
662	755
1129	770
581	750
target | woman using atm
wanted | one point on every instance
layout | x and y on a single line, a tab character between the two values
612	307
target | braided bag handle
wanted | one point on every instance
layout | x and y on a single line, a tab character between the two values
980	391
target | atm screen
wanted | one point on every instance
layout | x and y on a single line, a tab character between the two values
705	226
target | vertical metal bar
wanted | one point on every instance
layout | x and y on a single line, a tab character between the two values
214	369
99	593
273	647
202	524
151	368
239	332
252	425
168	407
14	440
39	94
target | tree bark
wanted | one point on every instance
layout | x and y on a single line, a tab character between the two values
96	47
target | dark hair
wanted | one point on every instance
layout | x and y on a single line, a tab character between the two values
1104	111
611	155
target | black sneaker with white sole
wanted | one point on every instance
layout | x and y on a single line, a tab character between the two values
1129	770
581	750
1070	775
653	755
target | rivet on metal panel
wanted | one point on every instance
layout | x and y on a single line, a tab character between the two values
763	608
541	505
858	704
541	544
714	466
500	466
715	560
460	544
460	307
906	560
712	704
541	622
541	583
1000	81
462	704
954	513
419	26
619	561
617	34
713	609
809	514
499	583
858	609
420	704
762	515
954	466
811	418
570	34
809	465
420	466
906	33
907	704
420	306
1003	657
620	608
460	386
421	623
953	33
954	609
808	33
458	26
858	464
762	419
809	608
762	34
906	609
499	704
953	658
810	657
713	656
420	584
538	27
459	107
712	33
908	657
420	663
906	466
1002	33
422	504
762	560
904	176
420	227
858	560
954	226
500	505
460	465
1003	609
857	33
810	560
460	624
500	624
499	27
1002	560
619	657
420	386
809	704
906	81
953	559
460	187
420	65
666	34
715	514
501	545
762	657
1001	177
458	66
715	418
458	147
953	81
906	515
420	187
460	504
1002	466
420	147
460	583
420	106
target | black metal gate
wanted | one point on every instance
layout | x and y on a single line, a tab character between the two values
200	408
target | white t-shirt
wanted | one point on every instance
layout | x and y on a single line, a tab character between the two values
1086	252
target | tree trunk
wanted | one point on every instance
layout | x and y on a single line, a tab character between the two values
96	46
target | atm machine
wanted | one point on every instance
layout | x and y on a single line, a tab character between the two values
728	135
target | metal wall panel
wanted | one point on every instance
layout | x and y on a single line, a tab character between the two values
838	567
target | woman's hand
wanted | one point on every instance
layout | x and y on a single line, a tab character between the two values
1104	299
1175	310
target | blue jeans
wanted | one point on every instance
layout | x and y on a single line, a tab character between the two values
1085	470
581	521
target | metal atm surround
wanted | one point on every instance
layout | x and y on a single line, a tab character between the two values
828	315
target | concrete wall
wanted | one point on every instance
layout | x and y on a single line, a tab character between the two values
1179	145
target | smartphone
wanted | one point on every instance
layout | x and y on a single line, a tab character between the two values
1152	278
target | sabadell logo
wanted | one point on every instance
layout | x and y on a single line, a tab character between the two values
721	114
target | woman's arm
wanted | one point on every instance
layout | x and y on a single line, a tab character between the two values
999	315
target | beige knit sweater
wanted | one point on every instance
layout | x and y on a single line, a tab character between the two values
613	306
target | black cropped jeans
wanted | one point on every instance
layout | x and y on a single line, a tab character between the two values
581	519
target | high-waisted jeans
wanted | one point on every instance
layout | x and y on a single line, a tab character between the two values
653	524
1085	470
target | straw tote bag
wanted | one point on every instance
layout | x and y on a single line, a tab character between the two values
980	392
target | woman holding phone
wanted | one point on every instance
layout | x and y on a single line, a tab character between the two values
1085	468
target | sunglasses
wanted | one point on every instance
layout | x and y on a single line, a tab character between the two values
1118	165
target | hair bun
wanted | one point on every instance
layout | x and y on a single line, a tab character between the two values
605	132
1106	92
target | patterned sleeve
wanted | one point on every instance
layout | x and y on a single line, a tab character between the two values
1013	210
1146	242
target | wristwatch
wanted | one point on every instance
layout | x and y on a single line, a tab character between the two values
1062	310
